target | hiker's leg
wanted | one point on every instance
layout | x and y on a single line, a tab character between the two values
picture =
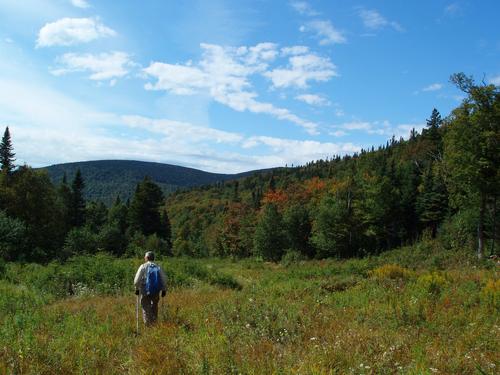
146	309
154	307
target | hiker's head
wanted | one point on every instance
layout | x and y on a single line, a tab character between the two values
149	256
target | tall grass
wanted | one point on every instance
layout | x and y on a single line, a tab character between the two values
362	316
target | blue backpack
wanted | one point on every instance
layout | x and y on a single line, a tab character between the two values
153	280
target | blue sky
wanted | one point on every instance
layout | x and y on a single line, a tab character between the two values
229	86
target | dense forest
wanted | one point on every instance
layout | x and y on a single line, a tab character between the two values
442	182
107	179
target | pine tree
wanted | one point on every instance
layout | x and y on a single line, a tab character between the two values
144	211
7	153
77	211
66	199
432	202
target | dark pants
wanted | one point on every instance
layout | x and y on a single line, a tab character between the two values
150	308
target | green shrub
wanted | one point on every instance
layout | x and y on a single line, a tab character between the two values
491	293
291	257
432	283
460	230
391	271
79	241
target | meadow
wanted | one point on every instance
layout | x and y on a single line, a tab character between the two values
414	310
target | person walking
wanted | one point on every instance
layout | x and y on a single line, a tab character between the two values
149	281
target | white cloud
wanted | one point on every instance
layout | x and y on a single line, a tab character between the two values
325	32
295	50
382	128
103	66
71	31
338	133
433	87
495	80
313	99
298	151
224	74
172	129
303	7
80	4
301	69
373	20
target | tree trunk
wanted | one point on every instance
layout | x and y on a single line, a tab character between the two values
480	228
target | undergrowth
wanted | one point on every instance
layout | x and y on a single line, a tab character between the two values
415	310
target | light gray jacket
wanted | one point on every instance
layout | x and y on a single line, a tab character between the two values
140	278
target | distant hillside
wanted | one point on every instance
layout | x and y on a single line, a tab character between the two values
106	179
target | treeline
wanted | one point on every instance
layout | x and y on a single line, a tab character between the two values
443	181
40	221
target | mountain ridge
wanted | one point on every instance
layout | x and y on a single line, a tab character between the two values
107	179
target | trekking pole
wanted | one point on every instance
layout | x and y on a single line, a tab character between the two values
137	316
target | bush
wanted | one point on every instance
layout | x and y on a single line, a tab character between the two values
432	283
391	271
12	237
291	257
491	293
79	241
459	231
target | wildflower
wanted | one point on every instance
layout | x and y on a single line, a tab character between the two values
313	338
247	325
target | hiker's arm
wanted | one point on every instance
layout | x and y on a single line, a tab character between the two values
138	278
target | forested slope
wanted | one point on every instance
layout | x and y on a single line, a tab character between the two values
445	179
107	179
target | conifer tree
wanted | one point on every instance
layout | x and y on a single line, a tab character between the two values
77	200
144	211
7	153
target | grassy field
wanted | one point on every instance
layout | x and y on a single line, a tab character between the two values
418	310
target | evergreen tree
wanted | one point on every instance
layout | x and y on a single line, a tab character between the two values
165	229
66	199
269	239
77	211
298	230
7	153
432	202
144	211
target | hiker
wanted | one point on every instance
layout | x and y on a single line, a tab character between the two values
149	281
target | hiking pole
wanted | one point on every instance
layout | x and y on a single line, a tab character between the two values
137	316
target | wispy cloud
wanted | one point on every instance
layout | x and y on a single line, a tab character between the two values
313	99
382	128
302	69
373	20
103	66
71	31
433	87
303	7
224	74
80	4
325	32
453	10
